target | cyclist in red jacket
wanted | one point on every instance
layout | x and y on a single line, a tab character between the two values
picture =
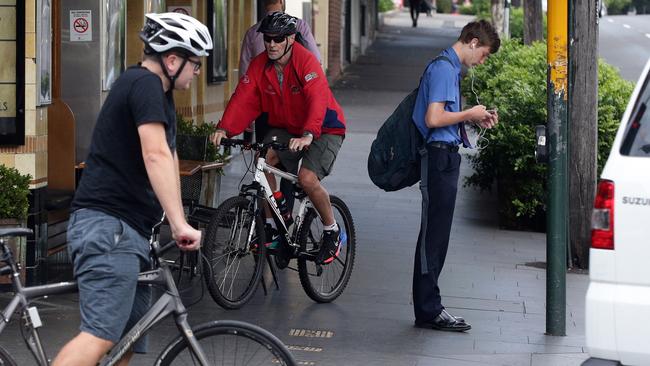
287	83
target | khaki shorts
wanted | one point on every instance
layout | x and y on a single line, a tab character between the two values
319	157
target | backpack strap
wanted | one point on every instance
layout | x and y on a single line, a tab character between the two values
439	57
424	186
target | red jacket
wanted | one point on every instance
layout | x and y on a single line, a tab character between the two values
305	103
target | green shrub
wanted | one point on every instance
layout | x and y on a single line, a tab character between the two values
514	81
386	5
467	10
517	23
617	7
189	128
482	8
444	6
14	192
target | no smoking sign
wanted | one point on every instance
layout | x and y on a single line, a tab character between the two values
81	26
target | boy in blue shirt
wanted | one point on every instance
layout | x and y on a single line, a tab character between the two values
438	114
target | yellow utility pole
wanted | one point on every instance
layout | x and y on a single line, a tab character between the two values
558	213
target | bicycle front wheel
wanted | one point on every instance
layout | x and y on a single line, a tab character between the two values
324	283
229	343
5	359
234	257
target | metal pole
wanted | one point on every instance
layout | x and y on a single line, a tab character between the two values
506	20
557	218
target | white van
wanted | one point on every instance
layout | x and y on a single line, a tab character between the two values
618	298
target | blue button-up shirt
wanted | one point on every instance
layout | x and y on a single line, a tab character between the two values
440	83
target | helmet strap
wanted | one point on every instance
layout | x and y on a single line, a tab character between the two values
172	79
286	50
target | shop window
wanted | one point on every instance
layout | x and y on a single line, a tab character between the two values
12	74
218	59
113	41
44	52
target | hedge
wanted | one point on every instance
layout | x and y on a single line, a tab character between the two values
514	81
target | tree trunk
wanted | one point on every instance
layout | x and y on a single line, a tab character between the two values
497	15
583	125
533	30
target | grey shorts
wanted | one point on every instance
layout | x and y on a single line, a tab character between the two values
107	255
319	157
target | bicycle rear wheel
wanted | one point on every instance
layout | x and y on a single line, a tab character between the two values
5	358
229	343
234	263
324	283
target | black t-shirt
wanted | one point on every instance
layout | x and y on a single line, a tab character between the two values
115	179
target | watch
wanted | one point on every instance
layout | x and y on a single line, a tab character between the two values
307	133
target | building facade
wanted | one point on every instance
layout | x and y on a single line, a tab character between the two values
60	57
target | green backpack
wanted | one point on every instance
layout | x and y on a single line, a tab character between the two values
395	154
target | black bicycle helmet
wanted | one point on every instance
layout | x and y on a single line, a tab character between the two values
278	23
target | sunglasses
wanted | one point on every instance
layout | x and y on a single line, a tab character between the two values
276	39
197	64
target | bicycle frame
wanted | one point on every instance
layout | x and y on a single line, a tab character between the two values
265	189
22	298
168	303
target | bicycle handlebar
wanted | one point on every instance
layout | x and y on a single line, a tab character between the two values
15	231
257	146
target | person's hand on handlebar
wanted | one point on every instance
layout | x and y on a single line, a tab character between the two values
297	144
217	136
187	237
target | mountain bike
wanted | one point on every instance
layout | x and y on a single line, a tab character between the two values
236	258
224	342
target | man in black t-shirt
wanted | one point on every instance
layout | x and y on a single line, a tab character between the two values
130	179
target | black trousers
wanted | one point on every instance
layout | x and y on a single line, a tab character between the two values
441	187
414	8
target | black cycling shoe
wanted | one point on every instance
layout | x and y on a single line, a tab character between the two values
282	255
330	246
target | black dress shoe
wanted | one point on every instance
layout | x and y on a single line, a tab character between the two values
445	321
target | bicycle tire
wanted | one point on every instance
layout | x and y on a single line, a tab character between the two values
6	359
229	343
233	267
339	271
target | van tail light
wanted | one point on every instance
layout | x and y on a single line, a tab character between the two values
602	217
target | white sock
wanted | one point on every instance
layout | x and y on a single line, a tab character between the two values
271	222
332	227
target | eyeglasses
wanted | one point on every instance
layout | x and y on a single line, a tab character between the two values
276	39
197	64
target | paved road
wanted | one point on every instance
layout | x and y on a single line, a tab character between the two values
487	277
624	41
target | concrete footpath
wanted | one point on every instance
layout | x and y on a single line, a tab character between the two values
486	278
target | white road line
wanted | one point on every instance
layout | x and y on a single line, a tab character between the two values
647	35
626	26
610	20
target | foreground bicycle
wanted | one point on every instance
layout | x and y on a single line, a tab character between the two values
235	259
226	343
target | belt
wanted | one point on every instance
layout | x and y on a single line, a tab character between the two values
443	145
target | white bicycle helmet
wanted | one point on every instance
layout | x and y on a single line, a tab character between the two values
175	31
